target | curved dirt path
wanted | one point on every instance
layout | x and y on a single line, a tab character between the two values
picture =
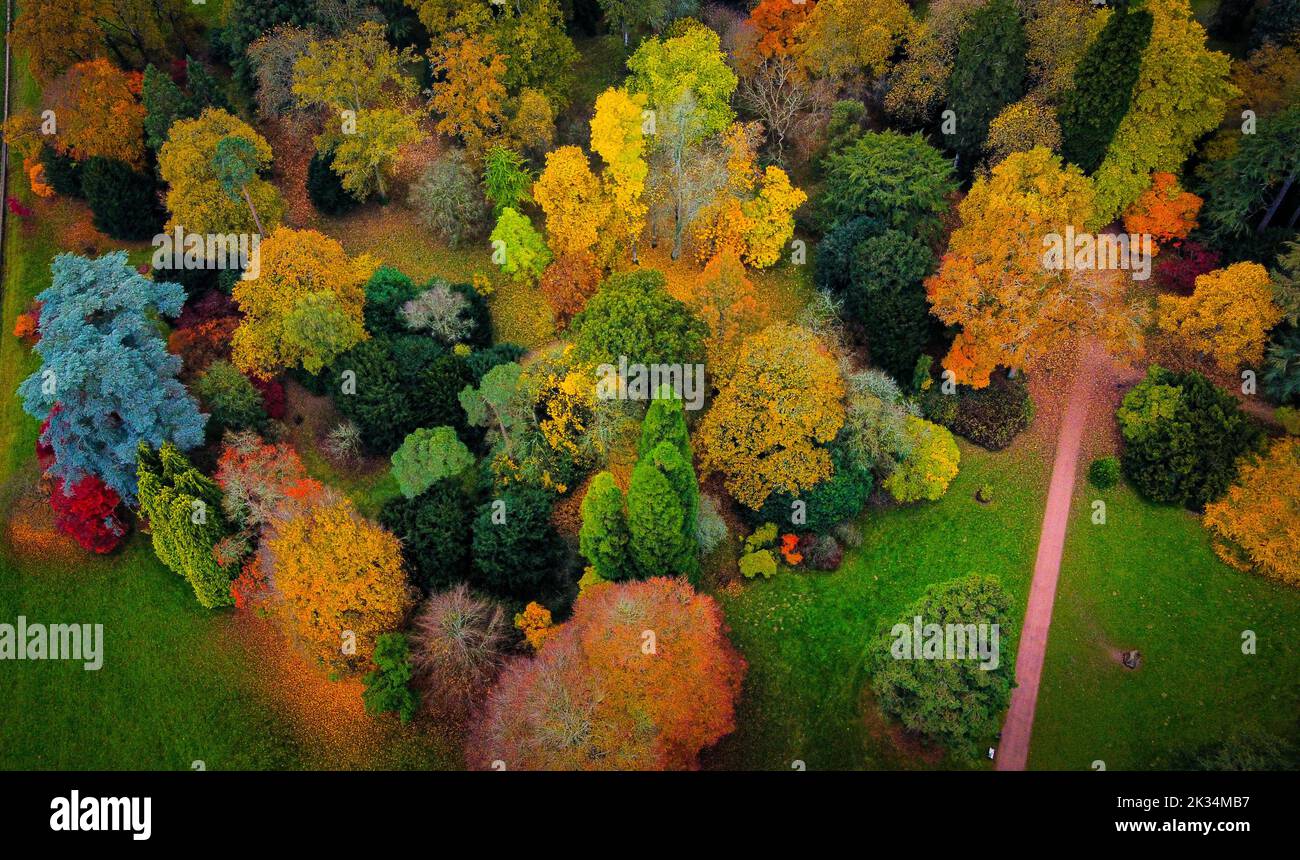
1093	368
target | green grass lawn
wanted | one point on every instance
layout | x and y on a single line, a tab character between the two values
804	635
1148	579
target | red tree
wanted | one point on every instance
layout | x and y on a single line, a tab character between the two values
91	514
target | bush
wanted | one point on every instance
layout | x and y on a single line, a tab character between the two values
434	528
1104	472
829	502
710	527
759	563
90	513
230	398
387	689
823	553
125	203
458	645
929	467
993	416
449	201
1183	437
958	702
325	188
516	549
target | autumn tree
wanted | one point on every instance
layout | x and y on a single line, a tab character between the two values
470	92
196	196
930	465
518	248
773	415
1020	127
576	207
98	113
725	300
341	580
183	507
601	696
993	282
987	75
618	137
273	57
1164	211
362	81
57	34
776	25
1256	526
852	38
1228	315
305	307
459	643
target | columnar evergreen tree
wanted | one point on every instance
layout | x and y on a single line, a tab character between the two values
988	74
107	368
603	538
183	507
662	538
1103	87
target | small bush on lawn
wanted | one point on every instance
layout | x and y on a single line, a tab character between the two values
993	416
1104	472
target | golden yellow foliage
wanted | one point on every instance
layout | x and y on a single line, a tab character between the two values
1228	315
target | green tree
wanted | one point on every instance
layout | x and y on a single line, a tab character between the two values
987	75
434	528
230	399
388	687
899	180
428	456
633	315
506	179
183	508
662	537
887	294
604	538
518	248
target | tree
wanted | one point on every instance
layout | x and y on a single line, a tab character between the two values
595	699
692	62
577	209
164	102
232	402
724	299
930	465
1177	69
1020	127
234	164
1057	44
1182	438
1280	378
98	113
899	179
628	15
988	74
183	507
754	214
360	78
662	502
388	685
633	315
341	580
618	137
516	549
776	25
604	538
305	307
1228	315
124	202
272	57
256	478
1165	211
567	283
458	645
777	92
770	418
522	252
448	200
993	282
429	456
434	528
1255	181
107	382
887	294
325	189
506	179
196	197
1255	526
470	92
851	38
442	311
1091	112
89	512
56	35
957	702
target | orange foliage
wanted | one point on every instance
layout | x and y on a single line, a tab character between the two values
1164	210
725	299
790	549
535	622
567	283
36	177
200	345
776	23
98	112
641	678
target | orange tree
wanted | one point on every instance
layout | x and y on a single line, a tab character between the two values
1256	526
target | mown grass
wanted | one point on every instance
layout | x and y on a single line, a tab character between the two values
805	635
1148	580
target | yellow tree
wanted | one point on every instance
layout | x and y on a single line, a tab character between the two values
1256	526
363	82
617	136
1228	315
768	426
724	298
59	34
843	38
195	196
577	209
304	309
995	281
341	580
471	91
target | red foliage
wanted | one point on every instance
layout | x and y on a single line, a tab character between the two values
91	514
567	283
201	344
44	450
17	208
273	399
1178	272
251	586
213	304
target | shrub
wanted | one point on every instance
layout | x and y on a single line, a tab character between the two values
759	563
125	203
710	527
829	502
993	416
458	644
1183	437
823	553
90	513
958	702
325	188
435	527
516	549
1104	472
387	686
929	467
231	399
448	199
